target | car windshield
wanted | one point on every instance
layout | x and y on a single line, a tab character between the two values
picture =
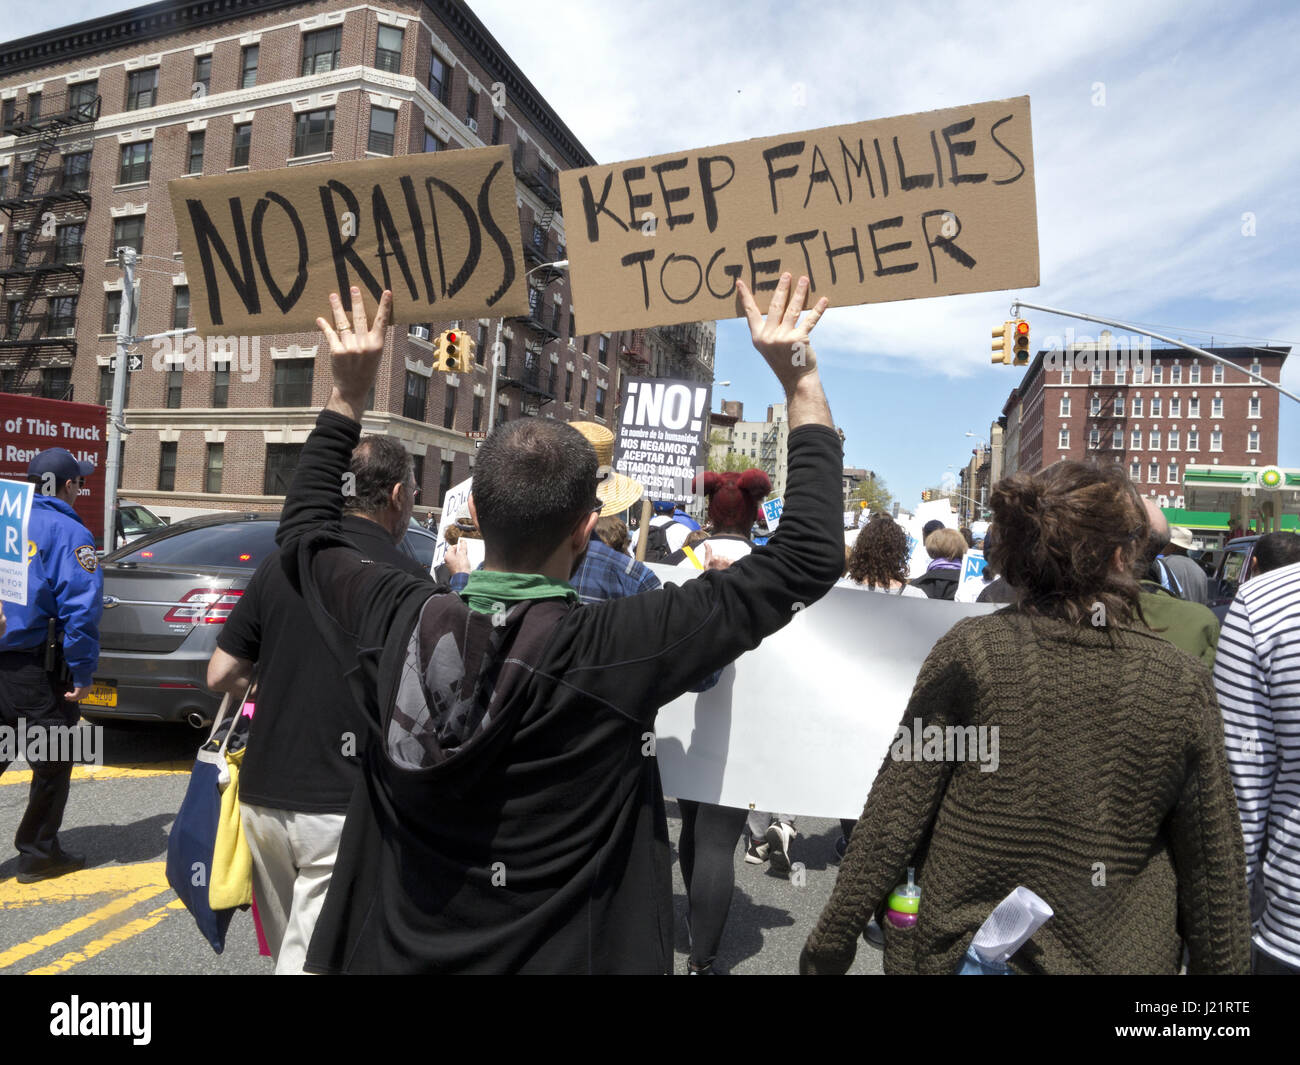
137	519
238	544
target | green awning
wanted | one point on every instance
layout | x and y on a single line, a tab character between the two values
1217	520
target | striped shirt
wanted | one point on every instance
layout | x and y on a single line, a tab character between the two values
1257	676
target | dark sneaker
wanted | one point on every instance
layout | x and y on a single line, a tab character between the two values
757	852
841	845
874	934
778	839
63	862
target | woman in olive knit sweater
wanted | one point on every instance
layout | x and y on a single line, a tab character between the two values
1111	797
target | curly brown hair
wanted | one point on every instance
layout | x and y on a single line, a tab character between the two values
1057	534
880	553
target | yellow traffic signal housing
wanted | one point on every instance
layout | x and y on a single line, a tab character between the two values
450	351
468	348
1020	341
1004	343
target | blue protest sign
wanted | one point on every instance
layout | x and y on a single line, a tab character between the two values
15	511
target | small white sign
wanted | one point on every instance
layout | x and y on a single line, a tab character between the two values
456	498
772	513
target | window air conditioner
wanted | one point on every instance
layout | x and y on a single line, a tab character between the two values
473	124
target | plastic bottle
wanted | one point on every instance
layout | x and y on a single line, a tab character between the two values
904	902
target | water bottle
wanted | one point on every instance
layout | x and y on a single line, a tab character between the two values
904	902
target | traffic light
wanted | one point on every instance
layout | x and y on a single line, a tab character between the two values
1021	342
1003	343
449	357
925	496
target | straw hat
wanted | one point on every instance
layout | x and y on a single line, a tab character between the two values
1181	537
614	490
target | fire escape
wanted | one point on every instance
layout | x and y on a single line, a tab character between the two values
42	208
533	379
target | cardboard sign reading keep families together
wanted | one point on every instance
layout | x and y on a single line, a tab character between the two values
899	208
264	250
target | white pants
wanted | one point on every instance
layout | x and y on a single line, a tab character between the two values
293	859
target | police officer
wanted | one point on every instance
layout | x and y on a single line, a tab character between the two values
40	682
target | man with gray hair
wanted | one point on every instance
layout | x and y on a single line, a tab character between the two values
307	736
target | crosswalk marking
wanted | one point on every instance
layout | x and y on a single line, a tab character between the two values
140	771
112	939
78	924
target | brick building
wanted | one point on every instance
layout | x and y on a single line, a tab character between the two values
1156	416
97	118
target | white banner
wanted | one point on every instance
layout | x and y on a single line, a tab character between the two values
801	724
457	496
15	513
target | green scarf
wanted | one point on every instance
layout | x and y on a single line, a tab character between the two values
487	589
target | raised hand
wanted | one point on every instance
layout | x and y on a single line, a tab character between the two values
781	338
355	351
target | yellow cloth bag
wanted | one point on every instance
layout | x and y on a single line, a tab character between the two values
231	882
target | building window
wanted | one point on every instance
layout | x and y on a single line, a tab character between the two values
1171	475
600	401
1137	406
602	350
1173	439
128	233
383	131
241	144
1153	472
315	133
449	408
1156	406
1120	375
320	51
70	240
471	109
1064	441
1216	407
432	143
388	49
444	477
56	383
61	315
496	128
195	165
1193	440
1117	408
76	172
1193	408
136	160
81	97
1252	440
213	467
1194	376
1067	376
1117	438
180	307
477	423
1135	470
221	384
1135	439
1257	368
281	463
1094	406
417	392
1254	407
112	311
1065	406
1175	408
582	397
33	106
417	473
1175	374
293	381
202	73
1218	373
1096	375
248	67
555	318
1216	440
481	348
167	467
568	387
141	89
550	381
1157	374
439	82
106	375
1094	439
1153	440
175	376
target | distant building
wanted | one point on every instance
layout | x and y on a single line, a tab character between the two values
762	445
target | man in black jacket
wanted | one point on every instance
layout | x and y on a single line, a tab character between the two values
510	818
307	735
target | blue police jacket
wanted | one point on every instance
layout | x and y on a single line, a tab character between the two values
64	581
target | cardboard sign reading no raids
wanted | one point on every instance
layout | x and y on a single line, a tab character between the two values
264	250
661	437
899	208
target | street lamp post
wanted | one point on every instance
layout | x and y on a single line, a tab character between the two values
497	353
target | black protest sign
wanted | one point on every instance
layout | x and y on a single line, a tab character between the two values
264	250
921	205
661	435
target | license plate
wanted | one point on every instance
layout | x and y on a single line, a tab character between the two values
101	695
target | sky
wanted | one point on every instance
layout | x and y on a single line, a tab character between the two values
1165	155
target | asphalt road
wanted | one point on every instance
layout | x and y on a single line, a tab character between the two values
118	916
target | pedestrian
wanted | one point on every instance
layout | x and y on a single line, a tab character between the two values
1259	694
1274	550
996	589
945	548
613	534
49	651
1184	577
302	758
1187	625
509	818
669	528
1108	792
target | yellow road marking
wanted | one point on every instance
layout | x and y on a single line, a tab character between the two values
98	946
106	879
109	772
48	939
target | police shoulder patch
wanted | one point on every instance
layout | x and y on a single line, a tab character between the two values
86	556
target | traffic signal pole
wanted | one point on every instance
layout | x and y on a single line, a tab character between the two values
1018	304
